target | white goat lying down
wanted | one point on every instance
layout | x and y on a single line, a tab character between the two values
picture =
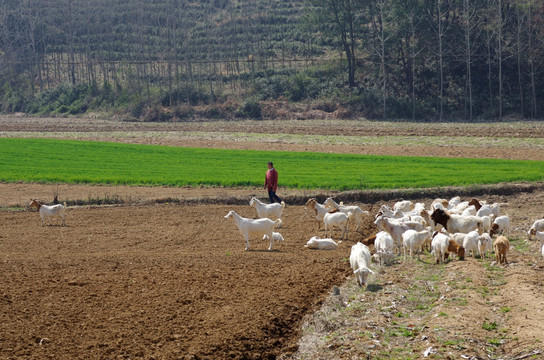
49	211
359	259
254	227
356	211
321	244
271	211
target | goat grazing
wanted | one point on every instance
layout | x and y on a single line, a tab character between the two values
319	210
49	211
501	225
538	225
271	211
501	247
442	245
384	246
254	227
321	244
359	260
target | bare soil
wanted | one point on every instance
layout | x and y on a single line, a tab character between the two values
172	280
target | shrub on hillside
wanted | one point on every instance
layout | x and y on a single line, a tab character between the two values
251	109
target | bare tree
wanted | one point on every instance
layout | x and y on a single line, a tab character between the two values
469	25
382	24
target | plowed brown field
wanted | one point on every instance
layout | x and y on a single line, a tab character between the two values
172	281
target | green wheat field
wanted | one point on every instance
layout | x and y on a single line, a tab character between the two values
67	161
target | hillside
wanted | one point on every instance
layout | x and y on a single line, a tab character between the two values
179	60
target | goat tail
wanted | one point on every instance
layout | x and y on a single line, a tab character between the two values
350	215
277	223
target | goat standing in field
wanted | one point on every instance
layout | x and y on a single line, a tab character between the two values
271	211
257	227
337	219
356	212
49	211
318	209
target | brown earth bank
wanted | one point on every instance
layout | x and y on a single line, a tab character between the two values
175	134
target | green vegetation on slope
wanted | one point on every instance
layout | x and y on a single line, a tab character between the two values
43	160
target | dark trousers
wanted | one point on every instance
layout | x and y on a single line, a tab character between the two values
273	197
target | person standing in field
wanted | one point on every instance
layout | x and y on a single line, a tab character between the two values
271	183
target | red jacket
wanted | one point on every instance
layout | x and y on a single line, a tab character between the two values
271	180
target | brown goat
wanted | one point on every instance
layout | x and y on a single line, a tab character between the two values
501	247
453	247
369	240
476	204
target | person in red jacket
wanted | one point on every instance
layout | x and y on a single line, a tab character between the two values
271	183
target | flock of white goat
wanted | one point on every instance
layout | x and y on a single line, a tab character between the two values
449	226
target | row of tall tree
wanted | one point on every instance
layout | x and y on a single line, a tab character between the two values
459	58
454	48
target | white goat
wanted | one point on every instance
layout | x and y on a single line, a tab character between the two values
319	210
486	223
439	204
469	211
321	244
501	225
485	244
458	237
337	219
356	211
384	246
49	211
489	209
470	243
276	236
257	227
414	240
404	206
395	228
457	223
359	260
538	225
442	245
271	211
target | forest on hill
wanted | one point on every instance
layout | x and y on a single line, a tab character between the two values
178	60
